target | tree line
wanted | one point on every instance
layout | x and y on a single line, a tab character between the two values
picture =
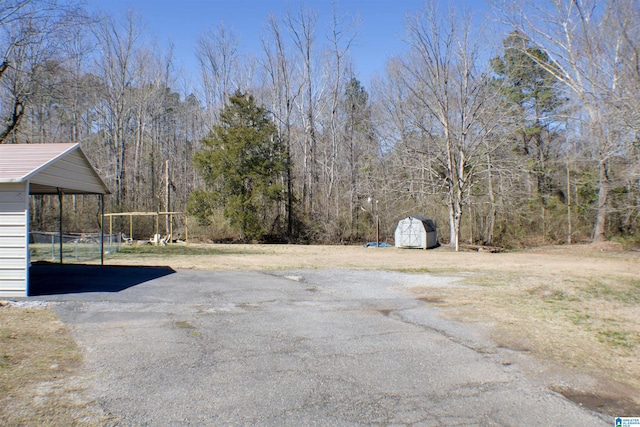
531	140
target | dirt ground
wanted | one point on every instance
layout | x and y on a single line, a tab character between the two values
575	308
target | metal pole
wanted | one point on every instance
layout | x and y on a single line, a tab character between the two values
102	229
167	196
377	227
60	224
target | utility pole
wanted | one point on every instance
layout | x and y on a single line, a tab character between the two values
377	227
167	188
374	210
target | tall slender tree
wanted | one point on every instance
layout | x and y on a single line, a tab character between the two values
588	41
302	28
217	53
117	45
450	95
357	131
533	97
281	83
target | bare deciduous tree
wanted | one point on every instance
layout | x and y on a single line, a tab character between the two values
115	65
302	28
284	92
341	39
27	42
217	53
450	95
587	41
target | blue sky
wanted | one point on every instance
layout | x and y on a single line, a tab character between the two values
380	31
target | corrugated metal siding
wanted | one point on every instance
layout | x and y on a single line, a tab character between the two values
69	172
19	160
13	239
49	167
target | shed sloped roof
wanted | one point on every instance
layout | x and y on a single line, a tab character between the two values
429	224
49	168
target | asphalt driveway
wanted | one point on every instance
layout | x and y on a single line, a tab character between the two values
303	348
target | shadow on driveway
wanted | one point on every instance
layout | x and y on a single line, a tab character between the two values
54	279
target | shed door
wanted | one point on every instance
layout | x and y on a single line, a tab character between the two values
412	234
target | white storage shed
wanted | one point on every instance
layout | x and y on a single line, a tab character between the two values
28	169
416	232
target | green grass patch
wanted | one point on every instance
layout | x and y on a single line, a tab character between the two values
71	251
179	250
421	270
183	324
618	339
580	317
625	291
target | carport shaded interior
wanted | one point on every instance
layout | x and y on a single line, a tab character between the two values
53	279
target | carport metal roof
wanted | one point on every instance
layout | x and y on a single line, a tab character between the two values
50	169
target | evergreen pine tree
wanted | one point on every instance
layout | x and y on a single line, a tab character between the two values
241	162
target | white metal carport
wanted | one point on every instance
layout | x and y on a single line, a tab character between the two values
34	169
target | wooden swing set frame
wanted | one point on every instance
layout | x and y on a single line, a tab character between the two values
155	240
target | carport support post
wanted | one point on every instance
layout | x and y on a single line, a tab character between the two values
102	229
60	223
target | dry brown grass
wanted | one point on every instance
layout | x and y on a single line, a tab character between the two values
38	359
574	306
580	320
583	259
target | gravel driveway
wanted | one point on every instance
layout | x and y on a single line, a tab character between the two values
297	348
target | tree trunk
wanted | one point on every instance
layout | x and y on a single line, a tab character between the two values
603	192
491	216
569	225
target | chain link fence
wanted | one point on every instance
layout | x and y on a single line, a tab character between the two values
76	247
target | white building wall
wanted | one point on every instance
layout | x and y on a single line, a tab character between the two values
14	234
